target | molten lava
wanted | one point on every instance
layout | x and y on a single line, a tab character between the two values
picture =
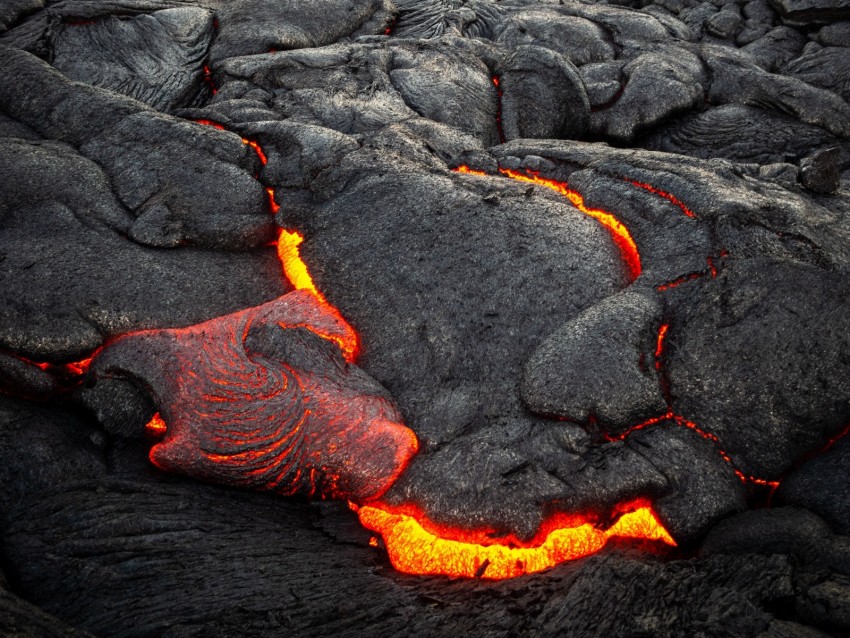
156	427
73	369
208	78
679	281
254	145
659	345
248	400
296	272
294	268
619	233
418	547
669	197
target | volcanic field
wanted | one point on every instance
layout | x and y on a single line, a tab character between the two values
424	318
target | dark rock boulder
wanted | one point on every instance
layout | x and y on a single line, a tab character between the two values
577	39
543	96
826	68
821	485
809	12
673	72
71	277
777	47
744	134
154	162
157	58
600	365
789	394
734	81
819	171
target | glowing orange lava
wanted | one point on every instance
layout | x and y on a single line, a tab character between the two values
670	415
273	205
294	268
679	281
72	369
469	171
670	198
208	78
296	272
254	145
156	426
215	125
415	547
659	346
259	151
619	233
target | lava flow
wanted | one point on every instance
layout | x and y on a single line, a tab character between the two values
416	545
73	370
425	548
665	195
671	416
294	268
232	450
234	410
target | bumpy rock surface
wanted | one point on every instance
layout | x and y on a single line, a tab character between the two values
670	324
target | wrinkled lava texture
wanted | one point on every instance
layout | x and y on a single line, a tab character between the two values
466	287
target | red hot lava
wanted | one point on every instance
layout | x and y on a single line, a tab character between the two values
236	414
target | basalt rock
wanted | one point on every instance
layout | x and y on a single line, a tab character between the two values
156	58
530	108
63	294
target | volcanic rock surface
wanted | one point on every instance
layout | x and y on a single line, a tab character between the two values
593	254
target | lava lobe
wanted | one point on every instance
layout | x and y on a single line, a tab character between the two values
262	398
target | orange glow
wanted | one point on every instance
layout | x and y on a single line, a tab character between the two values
77	368
257	149
209	79
41	365
156	426
72	369
293	267
296	272
711	267
835	439
275	207
469	171
678	282
708	436
215	125
619	233
416	547
254	145
659	347
665	195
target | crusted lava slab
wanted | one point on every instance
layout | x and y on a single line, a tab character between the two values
263	399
